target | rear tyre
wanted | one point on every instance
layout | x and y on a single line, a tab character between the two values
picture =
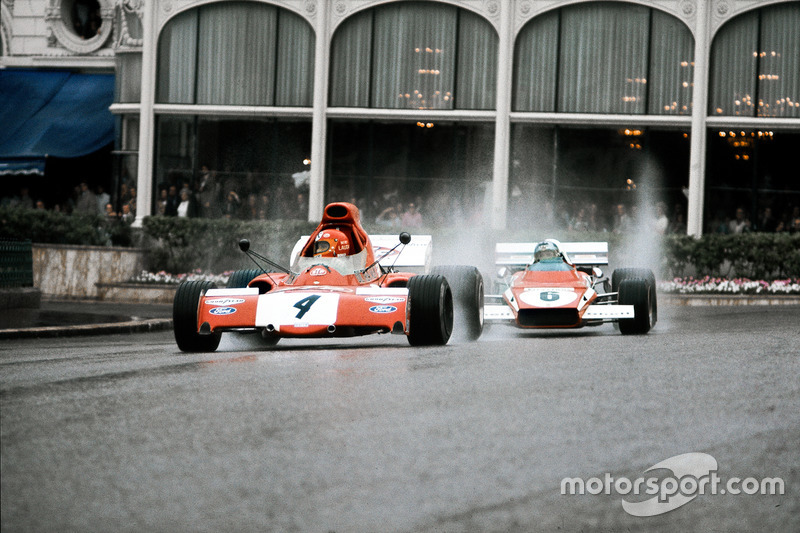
639	293
621	274
184	318
466	283
240	278
431	311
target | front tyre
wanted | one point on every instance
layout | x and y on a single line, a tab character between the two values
184	318
641	294
466	282
431	311
621	274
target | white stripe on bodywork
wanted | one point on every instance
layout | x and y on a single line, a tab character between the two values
379	291
247	291
299	309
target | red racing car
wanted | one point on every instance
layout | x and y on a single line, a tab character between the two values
336	287
555	285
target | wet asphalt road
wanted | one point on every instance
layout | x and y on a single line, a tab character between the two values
125	433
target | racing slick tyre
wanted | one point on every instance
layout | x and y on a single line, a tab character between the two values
466	283
621	274
641	294
184	318
431	311
240	278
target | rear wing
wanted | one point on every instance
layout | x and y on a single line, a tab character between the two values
520	254
416	256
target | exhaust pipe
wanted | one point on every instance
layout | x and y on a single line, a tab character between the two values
331	328
270	328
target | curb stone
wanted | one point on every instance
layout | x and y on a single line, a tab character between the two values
133	326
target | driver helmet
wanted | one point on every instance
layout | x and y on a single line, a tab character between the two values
545	251
331	243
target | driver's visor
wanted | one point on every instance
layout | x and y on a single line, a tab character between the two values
321	247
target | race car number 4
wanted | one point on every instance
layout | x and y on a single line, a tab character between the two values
297	309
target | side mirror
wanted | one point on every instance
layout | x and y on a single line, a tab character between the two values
244	245
597	272
502	272
405	237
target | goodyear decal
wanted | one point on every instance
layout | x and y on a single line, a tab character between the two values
225	302
223	311
384	299
382	309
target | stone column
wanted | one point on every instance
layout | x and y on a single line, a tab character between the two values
502	133
144	184
698	144
316	193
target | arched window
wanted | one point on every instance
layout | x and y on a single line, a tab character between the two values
604	58
236	53
414	55
755	64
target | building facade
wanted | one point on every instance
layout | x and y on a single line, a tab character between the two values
501	112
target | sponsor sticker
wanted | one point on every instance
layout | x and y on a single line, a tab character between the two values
223	311
384	299
318	271
382	309
224	301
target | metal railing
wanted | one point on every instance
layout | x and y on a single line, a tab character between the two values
16	263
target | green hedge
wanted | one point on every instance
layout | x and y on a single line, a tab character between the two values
757	256
179	245
49	227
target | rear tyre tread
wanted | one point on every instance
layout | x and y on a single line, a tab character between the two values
466	283
240	278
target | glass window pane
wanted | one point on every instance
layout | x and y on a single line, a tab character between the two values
535	64
603	64
477	63
414	53
295	77
177	54
733	68
129	77
779	62
350	61
671	66
236	54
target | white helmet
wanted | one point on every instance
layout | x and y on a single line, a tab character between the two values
546	250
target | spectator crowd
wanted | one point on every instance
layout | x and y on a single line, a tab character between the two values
242	196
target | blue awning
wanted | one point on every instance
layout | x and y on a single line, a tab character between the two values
54	113
25	167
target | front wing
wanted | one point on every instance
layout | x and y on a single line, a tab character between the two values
595	313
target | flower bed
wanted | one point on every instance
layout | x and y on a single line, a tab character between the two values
165	278
721	286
